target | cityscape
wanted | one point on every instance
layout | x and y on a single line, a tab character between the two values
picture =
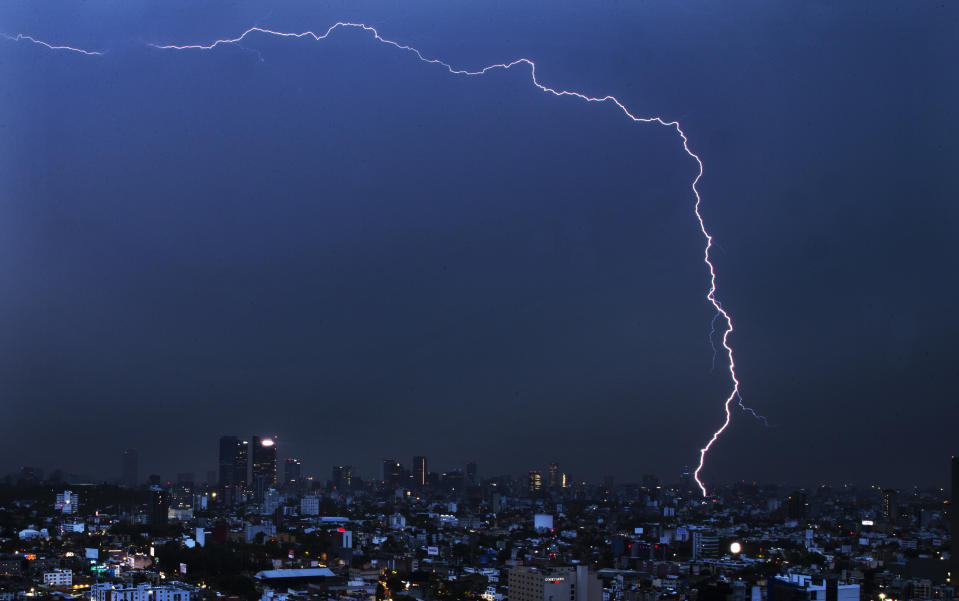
446	300
259	527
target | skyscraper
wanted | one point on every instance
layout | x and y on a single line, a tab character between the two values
129	468
890	505
392	473
553	476
227	458
472	477
796	505
264	461
229	445
159	505
233	463
241	465
291	473
419	471
534	482
342	477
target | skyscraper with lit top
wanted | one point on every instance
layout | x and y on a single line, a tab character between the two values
264	461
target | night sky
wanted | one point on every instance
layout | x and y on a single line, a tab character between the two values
370	257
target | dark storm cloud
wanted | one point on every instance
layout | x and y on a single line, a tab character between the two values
373	258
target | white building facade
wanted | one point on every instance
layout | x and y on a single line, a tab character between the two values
58	578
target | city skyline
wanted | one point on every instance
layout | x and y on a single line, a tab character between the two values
482	301
550	474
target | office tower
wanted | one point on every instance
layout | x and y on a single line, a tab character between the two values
954	521
392	473
534	481
342	477
686	485
264	462
553	475
129	466
241	465
259	486
229	445
159	506
291	473
796	505
233	464
890	505
472	475
419	471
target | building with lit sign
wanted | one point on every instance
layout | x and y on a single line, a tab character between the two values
554	584
264	461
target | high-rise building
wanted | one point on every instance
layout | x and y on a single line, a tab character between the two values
392	473
342	477
419	471
472	474
553	476
129	466
264	461
291	473
159	506
534	481
233	464
229	445
954	521
241	465
796	505
687	484
890	505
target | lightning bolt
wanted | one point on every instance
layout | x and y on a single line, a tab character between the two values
20	37
720	311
